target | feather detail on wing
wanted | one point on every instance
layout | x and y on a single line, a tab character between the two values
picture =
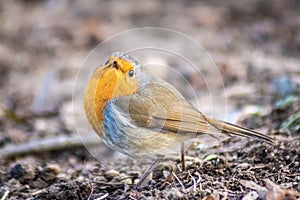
161	107
182	117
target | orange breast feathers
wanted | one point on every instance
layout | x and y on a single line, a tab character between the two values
107	82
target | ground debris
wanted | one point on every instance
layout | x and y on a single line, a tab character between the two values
255	44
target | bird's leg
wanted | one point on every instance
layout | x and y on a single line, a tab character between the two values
148	171
182	157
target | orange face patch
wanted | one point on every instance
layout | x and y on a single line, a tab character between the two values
106	83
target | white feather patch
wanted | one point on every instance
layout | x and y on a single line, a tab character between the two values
121	117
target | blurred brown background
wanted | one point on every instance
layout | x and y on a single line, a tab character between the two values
43	44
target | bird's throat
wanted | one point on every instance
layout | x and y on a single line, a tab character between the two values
104	85
99	91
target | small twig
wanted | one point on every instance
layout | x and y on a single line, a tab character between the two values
110	184
92	190
131	197
48	144
166	181
178	180
194	181
292	175
259	166
5	195
103	196
37	192
199	180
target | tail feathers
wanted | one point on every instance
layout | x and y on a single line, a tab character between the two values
232	129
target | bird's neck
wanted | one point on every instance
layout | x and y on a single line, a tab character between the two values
104	85
99	91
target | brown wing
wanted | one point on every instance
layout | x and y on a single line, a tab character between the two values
161	107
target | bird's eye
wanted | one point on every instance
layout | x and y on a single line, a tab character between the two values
131	73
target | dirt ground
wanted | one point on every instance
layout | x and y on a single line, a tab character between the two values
256	45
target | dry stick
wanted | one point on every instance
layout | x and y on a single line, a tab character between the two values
166	181
5	195
194	183
102	197
178	180
48	144
92	191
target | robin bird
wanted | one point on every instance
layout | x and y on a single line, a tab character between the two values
141	115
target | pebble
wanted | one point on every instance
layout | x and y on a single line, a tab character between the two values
50	172
110	174
244	166
250	196
23	172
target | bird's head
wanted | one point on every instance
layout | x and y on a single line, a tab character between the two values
116	78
